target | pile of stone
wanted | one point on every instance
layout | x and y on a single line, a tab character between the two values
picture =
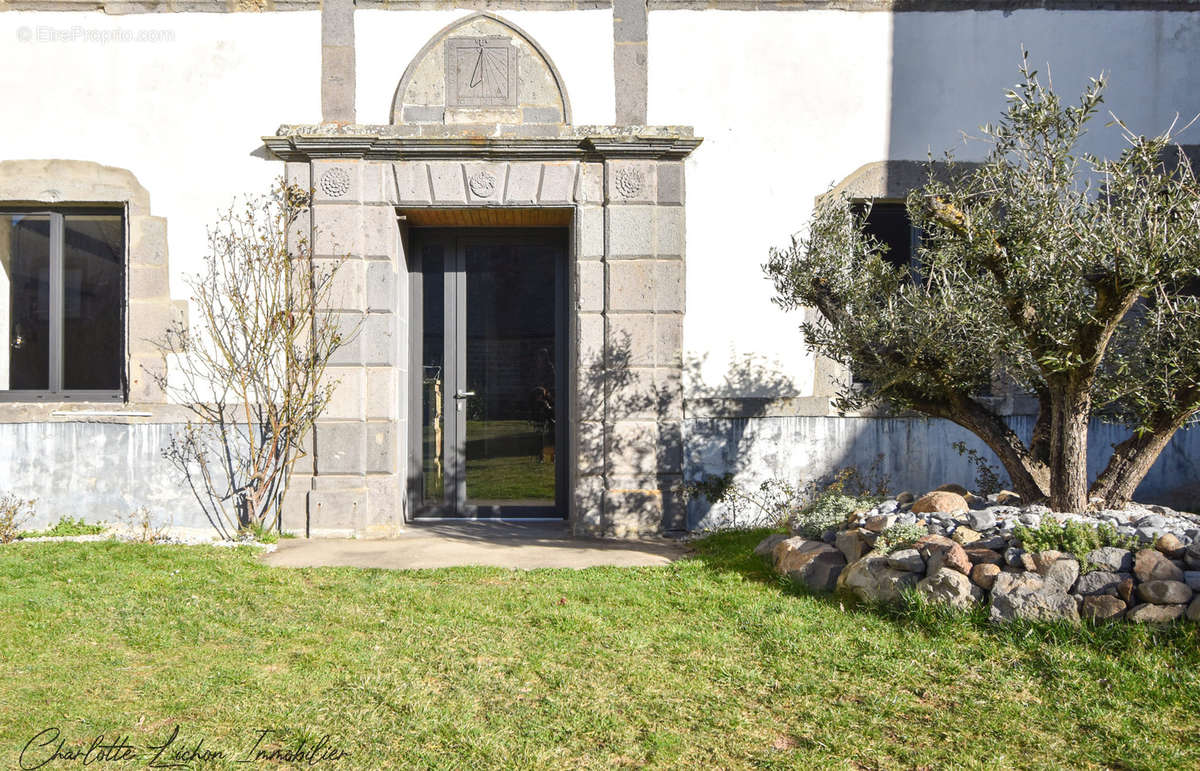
971	555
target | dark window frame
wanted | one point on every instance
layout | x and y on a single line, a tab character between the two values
866	205
55	392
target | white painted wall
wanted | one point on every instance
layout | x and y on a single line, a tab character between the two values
578	42
789	103
184	114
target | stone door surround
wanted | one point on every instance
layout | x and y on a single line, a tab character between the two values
625	194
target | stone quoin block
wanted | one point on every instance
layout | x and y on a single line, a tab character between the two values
589	224
670	183
668	286
378	339
631	181
341	447
631	285
379	395
630	231
346	402
630	340
590	293
337	230
670	236
381	286
631	448
380	447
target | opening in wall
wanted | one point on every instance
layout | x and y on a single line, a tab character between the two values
488	389
62	304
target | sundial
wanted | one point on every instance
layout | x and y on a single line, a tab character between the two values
481	72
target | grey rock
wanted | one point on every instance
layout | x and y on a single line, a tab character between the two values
887	507
1155	521
870	579
1031	520
793	551
984	575
1060	576
1112	559
879	522
853	544
951	588
1191	555
768	544
1012	557
822	571
906	559
994	542
1149	613
1102	607
1193	611
1148	534
981	520
893	583
1024	596
1151	565
1192	579
906	519
812	563
1045	558
1100	582
1165	592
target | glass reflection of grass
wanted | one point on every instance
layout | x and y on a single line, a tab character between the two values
507	460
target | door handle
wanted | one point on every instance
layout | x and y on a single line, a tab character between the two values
464	394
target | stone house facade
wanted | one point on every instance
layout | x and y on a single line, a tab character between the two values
553	213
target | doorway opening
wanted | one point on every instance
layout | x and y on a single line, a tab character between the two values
489	372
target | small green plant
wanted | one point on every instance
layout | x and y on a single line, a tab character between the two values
899	537
829	510
987	476
261	533
1077	538
14	512
851	480
66	526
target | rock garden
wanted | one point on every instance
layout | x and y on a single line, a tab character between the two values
1140	564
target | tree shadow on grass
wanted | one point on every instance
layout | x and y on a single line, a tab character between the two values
733	551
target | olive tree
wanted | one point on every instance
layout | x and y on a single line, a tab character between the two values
1071	276
252	369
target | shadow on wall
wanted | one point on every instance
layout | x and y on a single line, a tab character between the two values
950	72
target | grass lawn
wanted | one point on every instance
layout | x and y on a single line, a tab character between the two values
709	662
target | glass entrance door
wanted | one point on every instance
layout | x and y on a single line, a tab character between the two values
491	351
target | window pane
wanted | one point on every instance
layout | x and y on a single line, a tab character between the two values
889	224
93	295
24	302
433	377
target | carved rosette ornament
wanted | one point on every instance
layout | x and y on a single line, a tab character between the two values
629	182
482	183
335	183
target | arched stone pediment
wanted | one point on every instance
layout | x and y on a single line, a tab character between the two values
481	70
